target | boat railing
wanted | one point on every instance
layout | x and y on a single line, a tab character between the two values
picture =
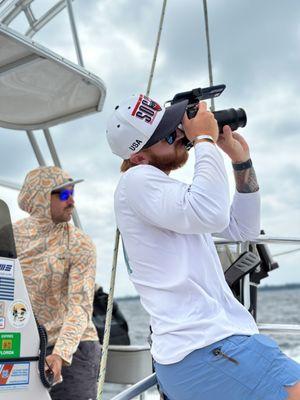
262	239
291	329
149	382
138	389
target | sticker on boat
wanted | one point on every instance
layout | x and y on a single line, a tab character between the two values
7	282
18	314
14	375
10	345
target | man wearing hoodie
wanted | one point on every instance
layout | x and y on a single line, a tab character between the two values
58	262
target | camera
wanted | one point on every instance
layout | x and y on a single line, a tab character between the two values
235	118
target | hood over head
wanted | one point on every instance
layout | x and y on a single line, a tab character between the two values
35	194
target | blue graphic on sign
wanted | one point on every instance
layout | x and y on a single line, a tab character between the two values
7	281
7	288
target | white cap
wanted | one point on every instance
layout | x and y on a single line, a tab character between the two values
139	122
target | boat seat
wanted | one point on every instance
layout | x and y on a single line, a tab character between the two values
243	265
128	364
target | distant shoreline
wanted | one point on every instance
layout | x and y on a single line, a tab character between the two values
123	298
287	286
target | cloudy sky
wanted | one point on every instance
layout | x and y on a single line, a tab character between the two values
255	51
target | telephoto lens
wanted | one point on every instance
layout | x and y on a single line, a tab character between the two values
235	118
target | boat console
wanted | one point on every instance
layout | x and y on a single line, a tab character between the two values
22	341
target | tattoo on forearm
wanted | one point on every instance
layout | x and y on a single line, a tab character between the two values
246	181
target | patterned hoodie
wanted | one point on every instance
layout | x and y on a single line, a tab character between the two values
58	263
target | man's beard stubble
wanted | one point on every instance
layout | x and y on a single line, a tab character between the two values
170	163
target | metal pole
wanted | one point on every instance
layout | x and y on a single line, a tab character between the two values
211	81
156	47
52	148
7	9
74	33
29	15
245	283
44	19
36	149
138	388
17	6
2	2
208	51
57	163
263	239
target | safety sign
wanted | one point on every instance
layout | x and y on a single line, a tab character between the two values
6	269
14	375
10	344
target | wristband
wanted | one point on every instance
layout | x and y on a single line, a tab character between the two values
204	137
244	165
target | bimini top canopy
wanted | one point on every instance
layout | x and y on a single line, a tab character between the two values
39	89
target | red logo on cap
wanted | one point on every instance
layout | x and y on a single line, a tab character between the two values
146	109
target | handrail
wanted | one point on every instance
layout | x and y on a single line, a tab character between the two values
263	239
137	389
150	381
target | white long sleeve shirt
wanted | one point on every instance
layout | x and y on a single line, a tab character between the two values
166	226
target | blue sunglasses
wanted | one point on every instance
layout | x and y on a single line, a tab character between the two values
64	194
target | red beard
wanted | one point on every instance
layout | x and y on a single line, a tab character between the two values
172	162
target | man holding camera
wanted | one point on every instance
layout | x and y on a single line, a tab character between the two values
205	344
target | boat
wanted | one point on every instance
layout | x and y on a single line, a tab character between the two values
126	364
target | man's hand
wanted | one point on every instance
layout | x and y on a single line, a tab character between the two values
234	145
55	363
204	123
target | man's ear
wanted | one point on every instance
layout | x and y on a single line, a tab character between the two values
139	158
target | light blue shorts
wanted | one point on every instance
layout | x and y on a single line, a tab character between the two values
235	368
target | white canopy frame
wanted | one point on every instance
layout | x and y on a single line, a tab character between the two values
14	8
28	55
